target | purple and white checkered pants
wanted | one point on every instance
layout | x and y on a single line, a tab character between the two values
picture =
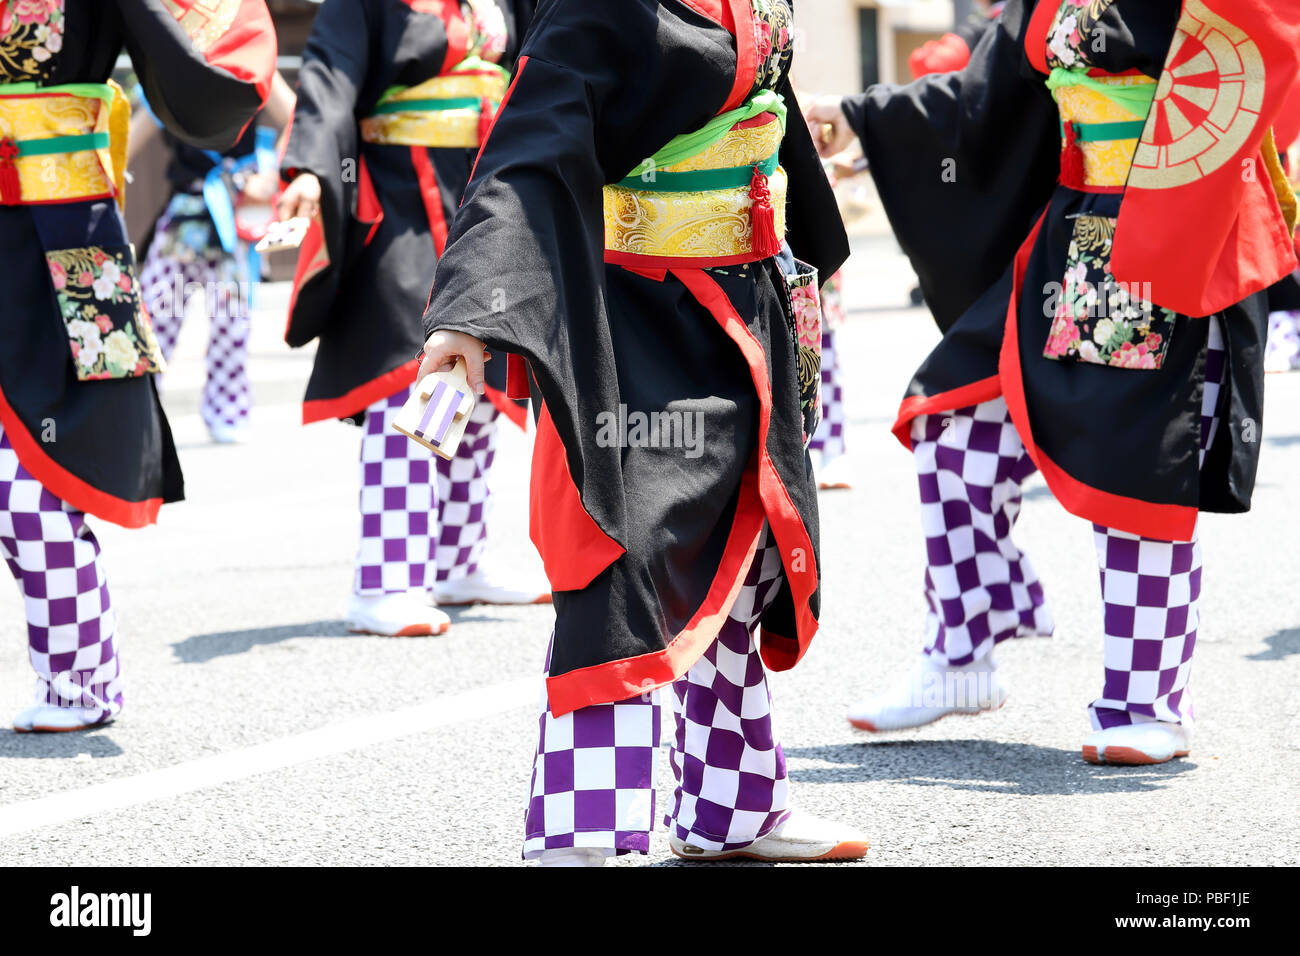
1282	353
829	437
980	589
415	530
71	625
593	781
167	285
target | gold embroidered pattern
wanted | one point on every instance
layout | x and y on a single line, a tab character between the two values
740	147
1105	162
456	128
206	21
63	177
1208	100
712	224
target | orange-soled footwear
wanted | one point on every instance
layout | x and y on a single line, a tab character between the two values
930	692
485	587
405	614
835	475
799	838
1136	745
52	719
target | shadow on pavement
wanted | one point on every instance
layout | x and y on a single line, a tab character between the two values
204	647
1280	645
986	766
94	742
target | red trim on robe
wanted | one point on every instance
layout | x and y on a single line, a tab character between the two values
1040	22
313	259
645	265
740	21
432	197
516	377
457	33
573	547
623	679
914	406
369	208
787	524
516	413
361	397
65	485
1146	518
1151	520
709	8
762	497
248	48
519	71
733	15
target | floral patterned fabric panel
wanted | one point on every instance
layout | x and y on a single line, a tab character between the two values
487	29
1097	319
773	40
31	33
806	306
99	299
1070	34
833	311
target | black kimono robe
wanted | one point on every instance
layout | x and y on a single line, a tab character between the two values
104	446
645	547
385	209
967	166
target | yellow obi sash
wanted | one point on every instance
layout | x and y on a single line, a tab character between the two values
700	210
449	111
62	144
1103	121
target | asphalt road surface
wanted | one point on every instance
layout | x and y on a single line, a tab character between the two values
258	731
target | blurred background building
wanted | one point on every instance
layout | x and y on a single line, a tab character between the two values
846	44
842	46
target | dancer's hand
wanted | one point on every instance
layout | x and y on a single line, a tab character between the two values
444	347
260	187
300	198
830	128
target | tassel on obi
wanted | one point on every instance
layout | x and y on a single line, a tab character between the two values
486	114
1072	159
11	187
763	217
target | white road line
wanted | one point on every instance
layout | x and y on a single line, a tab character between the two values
274	755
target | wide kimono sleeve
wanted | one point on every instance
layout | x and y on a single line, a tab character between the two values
205	72
334	66
325	140
596	90
963	163
814	229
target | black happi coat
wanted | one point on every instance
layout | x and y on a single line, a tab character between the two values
105	446
645	547
1118	446
362	294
